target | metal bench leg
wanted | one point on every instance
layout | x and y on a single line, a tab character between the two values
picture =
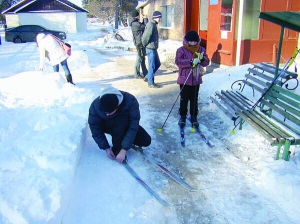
241	124
286	151
278	151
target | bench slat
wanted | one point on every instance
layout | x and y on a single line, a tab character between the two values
256	87
244	97
239	98
263	128
273	133
254	72
271	69
256	80
274	125
285	115
225	111
288	126
275	97
236	105
231	107
283	108
296	99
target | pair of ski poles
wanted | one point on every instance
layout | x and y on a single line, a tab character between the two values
160	129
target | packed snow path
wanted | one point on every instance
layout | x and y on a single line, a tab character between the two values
104	192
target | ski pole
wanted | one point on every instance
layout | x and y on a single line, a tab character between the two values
197	72
197	78
160	129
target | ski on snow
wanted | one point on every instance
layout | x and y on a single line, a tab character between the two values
146	186
166	170
202	136
182	139
197	129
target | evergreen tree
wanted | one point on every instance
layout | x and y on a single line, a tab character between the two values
5	4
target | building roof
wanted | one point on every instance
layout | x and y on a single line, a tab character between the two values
44	5
285	19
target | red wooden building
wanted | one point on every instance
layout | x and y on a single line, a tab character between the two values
235	35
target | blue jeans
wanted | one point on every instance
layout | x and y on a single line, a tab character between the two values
64	65
66	69
153	64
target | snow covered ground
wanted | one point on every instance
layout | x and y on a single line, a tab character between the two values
51	171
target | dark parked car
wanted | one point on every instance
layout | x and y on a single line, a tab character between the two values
27	33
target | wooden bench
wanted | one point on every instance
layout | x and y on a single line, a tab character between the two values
276	116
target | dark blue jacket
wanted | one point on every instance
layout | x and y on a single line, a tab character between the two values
129	107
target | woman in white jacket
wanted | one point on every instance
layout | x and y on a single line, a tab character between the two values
48	43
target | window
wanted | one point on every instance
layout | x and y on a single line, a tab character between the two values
226	15
250	19
25	28
37	28
203	14
167	19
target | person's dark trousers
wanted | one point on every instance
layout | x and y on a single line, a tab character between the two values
64	65
153	64
117	128
189	93
140	63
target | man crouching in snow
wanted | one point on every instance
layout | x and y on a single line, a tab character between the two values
117	113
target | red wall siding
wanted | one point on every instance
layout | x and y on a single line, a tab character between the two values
223	51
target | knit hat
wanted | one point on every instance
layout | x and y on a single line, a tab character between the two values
135	13
192	35
156	14
108	103
39	37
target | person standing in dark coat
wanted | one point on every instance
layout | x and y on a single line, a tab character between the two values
117	113
190	59
137	29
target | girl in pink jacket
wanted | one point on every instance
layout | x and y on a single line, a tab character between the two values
190	59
